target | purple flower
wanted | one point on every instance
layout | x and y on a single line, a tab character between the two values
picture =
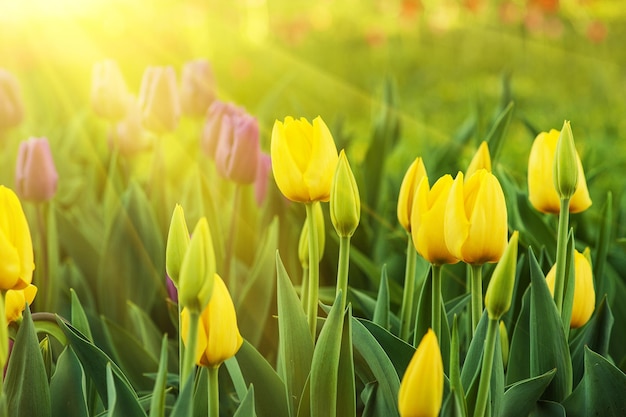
35	174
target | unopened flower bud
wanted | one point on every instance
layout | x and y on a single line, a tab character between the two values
237	153
128	135
345	203
565	164
159	99
177	244
213	125
500	289
35	174
11	103
197	87
108	91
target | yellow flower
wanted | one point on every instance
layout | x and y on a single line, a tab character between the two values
427	221
345	203
476	218
411	180
16	247
542	193
218	334
584	294
500	289
304	159
481	160
421	389
15	301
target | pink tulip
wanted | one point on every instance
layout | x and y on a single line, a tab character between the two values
11	105
159	100
263	169
237	151
213	124
197	89
35	175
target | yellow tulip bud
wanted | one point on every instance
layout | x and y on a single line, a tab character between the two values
303	244
411	180
218	335
304	159
16	247
427	221
541	191
481	160
16	300
584	293
476	218
565	163
177	243
421	389
500	289
504	344
195	283
345	203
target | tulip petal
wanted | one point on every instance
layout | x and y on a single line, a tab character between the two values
456	224
287	173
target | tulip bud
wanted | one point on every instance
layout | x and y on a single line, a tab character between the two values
500	289
128	135
504	344
159	99
237	153
263	169
172	291
197	87
421	389
177	244
584	293
213	125
35	174
304	159
303	244
565	164
481	160
195	283
411	180
16	300
345	203
11	103
16	247
218	334
108	91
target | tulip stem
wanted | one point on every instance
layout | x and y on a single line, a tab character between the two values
48	288
409	290
436	301
314	269
561	248
304	291
214	393
477	295
230	247
342	270
181	345
485	373
190	349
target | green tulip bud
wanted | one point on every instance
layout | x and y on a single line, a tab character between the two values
345	203
500	289
504	344
177	244
565	164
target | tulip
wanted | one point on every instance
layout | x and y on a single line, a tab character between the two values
304	159
542	193
108	91
411	180
237	153
218	335
345	203
177	244
500	289
428	218
565	164
159	99
128	135
15	301
16	247
197	87
476	219
481	160
421	389
35	176
584	293
213	125
11	103
263	169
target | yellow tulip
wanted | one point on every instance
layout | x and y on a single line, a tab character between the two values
15	301
421	389
481	160
411	180
476	219
304	159
427	221
218	334
16	247
584	293
542	193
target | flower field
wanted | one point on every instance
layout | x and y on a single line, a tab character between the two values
325	209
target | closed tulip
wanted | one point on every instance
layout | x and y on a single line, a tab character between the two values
16	247
345	203
16	300
428	218
263	169
108	91
237	153
480	160
177	244
197	87
304	159
500	290
11	103
218	334
213	125
584	293
476	219
411	180
542	193
35	174
421	389
128	135
159	99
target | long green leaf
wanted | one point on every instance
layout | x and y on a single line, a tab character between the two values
381	312
121	402
399	352
520	398
78	317
157	403
346	391
246	407
518	368
496	135
67	392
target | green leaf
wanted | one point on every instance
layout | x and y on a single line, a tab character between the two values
46	323
157	403
498	132
381	311
601	391
366	305
121	402
346	391
548	346
295	344
26	383
78	317
232	366
246	407
456	386
548	409
518	368
399	352
184	403
145	331
201	388
605	235
521	398
67	386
